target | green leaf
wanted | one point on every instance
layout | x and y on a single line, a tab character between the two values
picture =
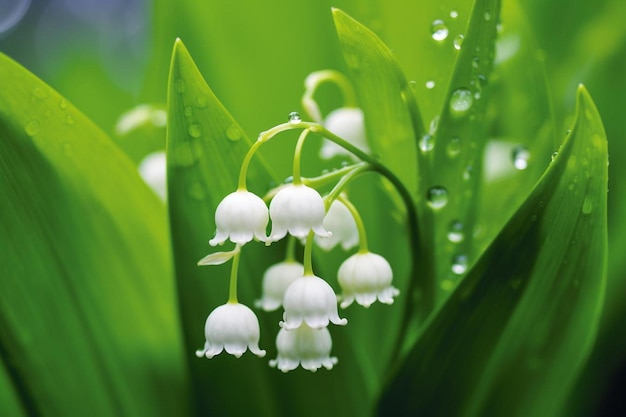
205	149
383	93
87	313
459	140
513	336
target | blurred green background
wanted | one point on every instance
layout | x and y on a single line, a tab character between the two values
108	57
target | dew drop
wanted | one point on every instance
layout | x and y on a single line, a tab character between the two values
461	101
427	143
63	104
201	102
455	232
434	124
69	120
179	85
447	285
233	133
475	62
587	205
467	174
294	117
188	111
487	15
439	30
430	84
196	191
31	128
454	14
459	264
554	155
40	93
437	197
194	130
454	147
520	156
458	41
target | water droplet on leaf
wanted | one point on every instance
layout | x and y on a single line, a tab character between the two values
437	197
179	86
31	128
454	147
454	14
455	232
458	41
233	133
430	84
520	156
427	143
587	205
459	264
439	30
194	130
461	101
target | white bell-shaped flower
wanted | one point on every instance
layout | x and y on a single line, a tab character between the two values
341	224
309	299
348	124
232	327
366	277
153	171
303	346
297	209
275	282
240	216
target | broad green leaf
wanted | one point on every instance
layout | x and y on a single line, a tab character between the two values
205	149
10	402
383	93
87	310
459	138
521	135
513	336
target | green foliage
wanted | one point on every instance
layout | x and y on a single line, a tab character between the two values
86	299
102	307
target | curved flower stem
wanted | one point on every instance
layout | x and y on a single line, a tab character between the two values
343	182
308	254
424	291
232	291
241	186
359	224
297	156
331	177
314	80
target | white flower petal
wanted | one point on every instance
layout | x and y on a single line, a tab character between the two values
153	171
276	280
341	224
240	216
347	123
311	300
232	327
303	346
297	209
366	277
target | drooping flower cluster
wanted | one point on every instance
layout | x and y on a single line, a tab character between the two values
299	211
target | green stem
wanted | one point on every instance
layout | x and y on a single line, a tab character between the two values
308	255
360	226
343	183
330	177
314	80
244	165
232	292
290	255
297	156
